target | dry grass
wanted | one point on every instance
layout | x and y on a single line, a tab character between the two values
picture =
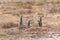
9	21
40	3
9	25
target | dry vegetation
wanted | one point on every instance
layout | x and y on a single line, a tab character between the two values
9	25
31	25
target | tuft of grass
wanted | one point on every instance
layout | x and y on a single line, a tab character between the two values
9	25
53	10
31	3
40	3
19	3
57	2
0	2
